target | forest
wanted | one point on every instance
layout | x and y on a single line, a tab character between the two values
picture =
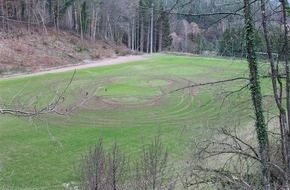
190	26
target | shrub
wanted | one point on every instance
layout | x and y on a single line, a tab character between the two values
117	50
95	56
18	47
81	47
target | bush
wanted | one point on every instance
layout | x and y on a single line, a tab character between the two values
18	47
117	50
81	47
95	56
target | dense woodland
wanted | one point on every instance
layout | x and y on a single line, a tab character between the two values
145	25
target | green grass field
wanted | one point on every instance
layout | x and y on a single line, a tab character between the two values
130	103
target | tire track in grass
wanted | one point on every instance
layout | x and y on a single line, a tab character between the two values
104	105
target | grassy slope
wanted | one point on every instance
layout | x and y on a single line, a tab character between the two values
44	155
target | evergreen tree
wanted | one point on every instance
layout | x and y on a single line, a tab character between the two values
167	39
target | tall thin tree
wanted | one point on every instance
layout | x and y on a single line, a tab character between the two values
261	127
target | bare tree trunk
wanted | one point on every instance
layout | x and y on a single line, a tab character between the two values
18	10
69	18
80	20
28	15
129	36
93	22
76	27
96	27
137	38
57	15
42	17
109	30
160	30
133	34
261	128
278	99
81	26
142	35
155	41
2	10
148	40
151	31
286	50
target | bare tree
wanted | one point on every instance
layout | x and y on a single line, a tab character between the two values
229	158
152	170
101	170
93	169
118	167
277	87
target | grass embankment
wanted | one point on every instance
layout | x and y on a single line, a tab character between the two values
130	103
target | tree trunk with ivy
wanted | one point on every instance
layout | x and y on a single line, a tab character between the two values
261	128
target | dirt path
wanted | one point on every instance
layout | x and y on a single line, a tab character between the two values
83	65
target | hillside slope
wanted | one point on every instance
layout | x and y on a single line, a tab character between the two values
29	52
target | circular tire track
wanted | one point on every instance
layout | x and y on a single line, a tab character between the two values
98	106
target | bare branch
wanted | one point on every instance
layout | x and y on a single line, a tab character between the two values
207	14
210	83
50	108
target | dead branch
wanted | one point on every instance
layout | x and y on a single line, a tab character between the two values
208	14
209	83
49	108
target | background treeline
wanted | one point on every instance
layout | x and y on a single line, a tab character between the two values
123	21
145	25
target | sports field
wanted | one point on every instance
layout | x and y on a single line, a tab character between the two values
130	103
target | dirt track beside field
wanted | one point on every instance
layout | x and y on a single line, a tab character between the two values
82	65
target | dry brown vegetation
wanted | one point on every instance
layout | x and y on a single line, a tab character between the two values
26	51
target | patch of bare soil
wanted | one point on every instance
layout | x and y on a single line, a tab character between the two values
24	51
